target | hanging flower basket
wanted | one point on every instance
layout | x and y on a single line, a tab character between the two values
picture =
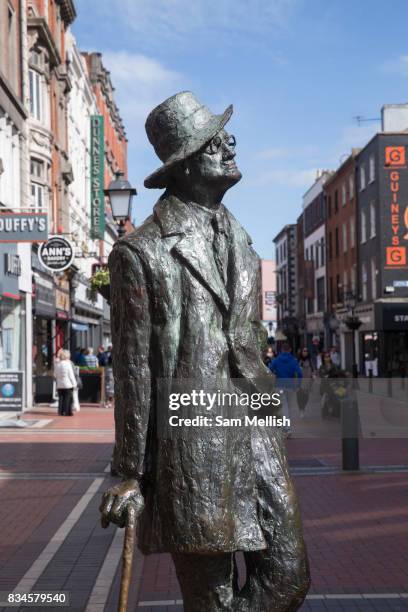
100	283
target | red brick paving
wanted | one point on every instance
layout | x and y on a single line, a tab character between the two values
372	451
355	525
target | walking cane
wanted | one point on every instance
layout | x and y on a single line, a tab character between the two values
127	558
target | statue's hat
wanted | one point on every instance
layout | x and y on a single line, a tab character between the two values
178	128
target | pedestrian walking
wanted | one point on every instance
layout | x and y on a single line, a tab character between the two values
269	355
308	372
335	356
66	383
331	391
289	374
102	357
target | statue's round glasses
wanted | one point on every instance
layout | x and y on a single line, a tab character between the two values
217	143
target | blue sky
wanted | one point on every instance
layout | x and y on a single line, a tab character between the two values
297	72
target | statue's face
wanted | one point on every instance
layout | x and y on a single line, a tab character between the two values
215	164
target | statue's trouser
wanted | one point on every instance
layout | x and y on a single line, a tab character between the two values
278	576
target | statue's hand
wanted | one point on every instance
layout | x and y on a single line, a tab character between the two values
116	501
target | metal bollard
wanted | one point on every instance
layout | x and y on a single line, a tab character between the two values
350	426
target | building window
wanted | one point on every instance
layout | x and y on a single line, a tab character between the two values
337	245
345	282
343	194
330	246
38	189
322	254
344	229
37	169
372	220
35	94
362	178
331	296
37	198
351	186
320	294
306	254
371	172
373	279
364	280
338	290
353	277
352	233
336	201
363	226
316	250
329	210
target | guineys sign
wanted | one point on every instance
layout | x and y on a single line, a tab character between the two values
57	254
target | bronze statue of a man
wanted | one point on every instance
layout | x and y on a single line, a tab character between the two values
185	305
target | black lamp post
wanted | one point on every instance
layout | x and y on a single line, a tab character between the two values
353	323
120	194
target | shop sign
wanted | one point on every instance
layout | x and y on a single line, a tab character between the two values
397	222
10	271
11	391
97	177
44	296
57	254
23	227
395	317
62	300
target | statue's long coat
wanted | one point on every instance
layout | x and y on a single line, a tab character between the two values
174	317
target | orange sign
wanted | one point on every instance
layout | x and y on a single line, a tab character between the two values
395	156
396	256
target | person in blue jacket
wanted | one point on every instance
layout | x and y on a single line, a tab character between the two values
288	374
286	367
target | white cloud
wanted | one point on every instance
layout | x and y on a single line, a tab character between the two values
398	66
178	19
140	84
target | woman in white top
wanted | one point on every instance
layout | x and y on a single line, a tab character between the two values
66	382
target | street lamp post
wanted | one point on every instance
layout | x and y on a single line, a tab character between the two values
353	323
350	414
120	194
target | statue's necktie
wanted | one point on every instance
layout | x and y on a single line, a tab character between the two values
220	244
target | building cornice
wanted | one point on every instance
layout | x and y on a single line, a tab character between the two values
68	11
45	38
13	106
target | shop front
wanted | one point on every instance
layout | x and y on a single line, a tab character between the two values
44	333
12	316
87	319
62	317
365	340
392	325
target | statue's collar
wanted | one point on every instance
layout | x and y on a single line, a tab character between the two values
175	216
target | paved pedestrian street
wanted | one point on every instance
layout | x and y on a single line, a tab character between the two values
52	477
